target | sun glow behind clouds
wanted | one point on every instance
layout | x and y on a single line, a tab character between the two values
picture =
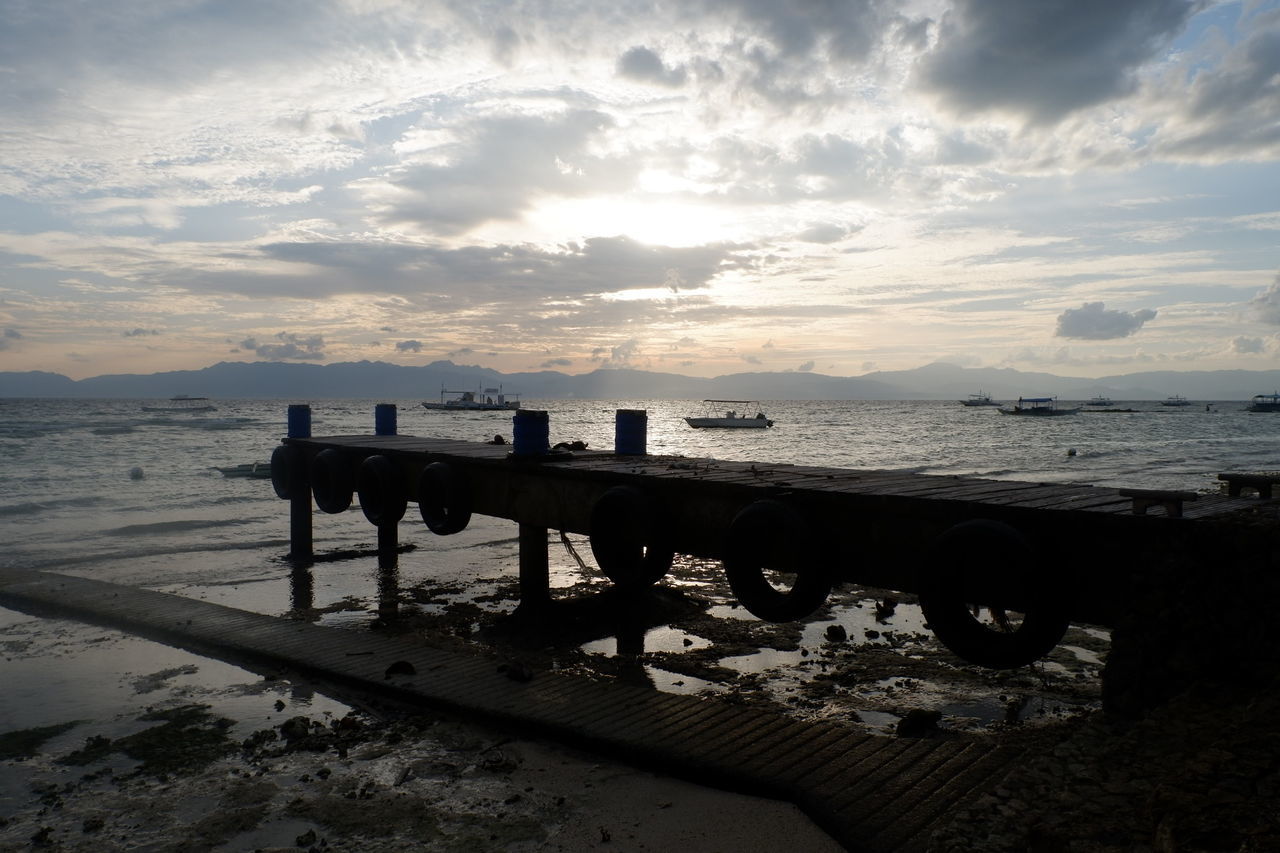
657	222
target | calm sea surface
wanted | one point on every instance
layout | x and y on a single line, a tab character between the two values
68	500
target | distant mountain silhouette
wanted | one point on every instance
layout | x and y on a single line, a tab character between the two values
372	379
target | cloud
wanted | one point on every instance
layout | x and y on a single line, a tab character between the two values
460	352
1248	346
138	333
641	63
409	346
1266	305
1229	109
618	356
806	367
1094	322
7	339
291	346
752	359
492	168
557	362
1045	60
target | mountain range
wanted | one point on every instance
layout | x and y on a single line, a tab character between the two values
372	379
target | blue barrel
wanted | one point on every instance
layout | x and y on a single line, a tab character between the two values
531	430
384	419
630	428
299	420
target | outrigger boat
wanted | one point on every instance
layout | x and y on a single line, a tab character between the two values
1100	401
1041	407
488	400
732	418
183	403
1264	403
1175	400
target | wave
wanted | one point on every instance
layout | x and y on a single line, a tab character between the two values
37	507
184	526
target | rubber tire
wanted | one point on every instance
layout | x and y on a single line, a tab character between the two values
970	547
629	540
771	534
331	481
443	499
288	472
382	498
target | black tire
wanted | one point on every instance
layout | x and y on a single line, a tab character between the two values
966	564
769	534
331	481
382	498
629	539
288	471
443	499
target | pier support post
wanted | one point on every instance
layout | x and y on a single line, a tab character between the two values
535	573
630	427
300	545
384	423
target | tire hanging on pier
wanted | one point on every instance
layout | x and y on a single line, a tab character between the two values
765	535
443	499
382	498
288	471
982	560
331	481
629	539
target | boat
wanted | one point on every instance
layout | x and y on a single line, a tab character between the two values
1175	400
735	418
488	400
1264	403
183	403
1100	401
1042	407
982	398
256	470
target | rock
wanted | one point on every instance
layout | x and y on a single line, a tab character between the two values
919	722
836	633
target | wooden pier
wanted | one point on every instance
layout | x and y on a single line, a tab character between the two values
1058	553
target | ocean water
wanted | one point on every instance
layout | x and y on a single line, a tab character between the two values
104	489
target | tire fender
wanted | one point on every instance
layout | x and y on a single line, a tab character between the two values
331	481
382	498
629	539
985	553
444	499
769	534
288	472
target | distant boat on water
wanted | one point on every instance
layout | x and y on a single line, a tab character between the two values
1039	407
1100	401
982	398
488	400
183	403
1175	400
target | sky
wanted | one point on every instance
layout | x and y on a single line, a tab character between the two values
702	187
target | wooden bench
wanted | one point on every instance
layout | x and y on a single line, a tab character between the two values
1261	482
1144	499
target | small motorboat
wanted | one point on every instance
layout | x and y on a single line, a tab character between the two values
735	418
1039	407
982	398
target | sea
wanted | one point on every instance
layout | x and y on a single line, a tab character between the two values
105	489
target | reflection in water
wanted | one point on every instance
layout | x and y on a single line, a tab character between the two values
388	585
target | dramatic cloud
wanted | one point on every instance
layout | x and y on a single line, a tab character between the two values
409	346
291	346
1094	322
1046	59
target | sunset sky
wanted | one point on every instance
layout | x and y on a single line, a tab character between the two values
702	187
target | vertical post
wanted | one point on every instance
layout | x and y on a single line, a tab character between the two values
384	419
535	573
630	428
530	433
300	546
384	423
